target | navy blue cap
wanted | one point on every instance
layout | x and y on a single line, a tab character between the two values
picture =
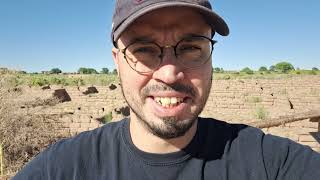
127	11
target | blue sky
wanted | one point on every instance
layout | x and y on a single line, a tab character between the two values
37	35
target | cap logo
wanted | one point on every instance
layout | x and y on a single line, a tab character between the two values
138	1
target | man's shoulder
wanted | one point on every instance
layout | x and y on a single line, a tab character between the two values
103	134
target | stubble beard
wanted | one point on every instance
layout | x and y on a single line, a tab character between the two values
170	127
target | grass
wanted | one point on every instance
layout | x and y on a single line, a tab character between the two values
1	161
107	118
16	79
39	80
262	75
253	99
261	113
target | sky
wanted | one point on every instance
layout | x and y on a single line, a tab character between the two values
38	35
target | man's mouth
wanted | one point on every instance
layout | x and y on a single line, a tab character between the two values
169	102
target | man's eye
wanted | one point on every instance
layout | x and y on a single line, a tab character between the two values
189	48
144	50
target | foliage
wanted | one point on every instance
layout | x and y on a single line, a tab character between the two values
272	68
263	68
284	67
107	118
83	70
254	99
23	135
115	72
261	113
315	69
55	71
105	71
247	70
217	70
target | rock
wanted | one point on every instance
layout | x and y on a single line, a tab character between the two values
62	95
91	90
45	87
112	87
123	110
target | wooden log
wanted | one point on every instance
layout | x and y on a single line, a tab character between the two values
287	119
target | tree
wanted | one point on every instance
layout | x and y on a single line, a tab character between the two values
272	68
115	72
105	71
315	69
83	70
284	67
263	68
247	70
216	69
55	71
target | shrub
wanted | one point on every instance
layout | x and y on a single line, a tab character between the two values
105	71
55	71
83	70
272	68
39	81
284	67
107	118
247	70
22	135
261	113
263	68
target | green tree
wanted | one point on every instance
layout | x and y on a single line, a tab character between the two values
216	69
83	70
115	72
284	67
263	68
247	70
105	71
55	71
315	69
272	68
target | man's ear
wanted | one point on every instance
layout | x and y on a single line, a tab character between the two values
115	53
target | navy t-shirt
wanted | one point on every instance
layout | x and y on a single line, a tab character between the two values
218	151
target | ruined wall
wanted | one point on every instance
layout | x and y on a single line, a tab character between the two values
235	101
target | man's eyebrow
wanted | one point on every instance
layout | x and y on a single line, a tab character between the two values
142	39
192	34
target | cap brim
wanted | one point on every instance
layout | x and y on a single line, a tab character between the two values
218	24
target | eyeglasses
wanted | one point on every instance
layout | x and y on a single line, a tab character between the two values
190	52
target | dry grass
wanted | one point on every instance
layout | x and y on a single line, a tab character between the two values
23	135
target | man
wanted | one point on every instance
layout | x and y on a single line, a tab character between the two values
163	52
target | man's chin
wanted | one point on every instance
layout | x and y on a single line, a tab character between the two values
169	128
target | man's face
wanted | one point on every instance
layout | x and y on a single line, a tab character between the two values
167	101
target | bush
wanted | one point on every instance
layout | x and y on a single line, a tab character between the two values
217	70
55	71
83	70
315	69
105	71
115	72
247	70
284	67
107	118
22	135
272	68
261	113
263	68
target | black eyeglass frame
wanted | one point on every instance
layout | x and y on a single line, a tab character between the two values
162	50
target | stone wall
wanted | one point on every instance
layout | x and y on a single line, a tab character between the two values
234	101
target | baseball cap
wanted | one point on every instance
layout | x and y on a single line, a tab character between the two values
127	11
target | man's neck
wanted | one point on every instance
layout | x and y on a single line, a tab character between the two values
148	142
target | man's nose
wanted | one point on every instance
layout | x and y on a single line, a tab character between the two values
170	71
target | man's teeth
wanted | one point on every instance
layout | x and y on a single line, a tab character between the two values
168	101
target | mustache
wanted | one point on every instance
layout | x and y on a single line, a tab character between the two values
177	87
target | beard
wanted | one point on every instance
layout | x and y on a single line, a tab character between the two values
168	127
